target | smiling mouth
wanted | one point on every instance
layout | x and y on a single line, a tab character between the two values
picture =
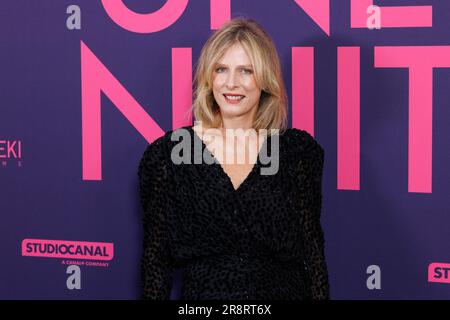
234	98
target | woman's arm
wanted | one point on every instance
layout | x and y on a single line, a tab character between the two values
315	263
156	268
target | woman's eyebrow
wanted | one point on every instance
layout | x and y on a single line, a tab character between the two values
239	66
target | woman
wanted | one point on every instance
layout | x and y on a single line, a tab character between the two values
235	233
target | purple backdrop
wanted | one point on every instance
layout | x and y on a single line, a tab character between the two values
45	195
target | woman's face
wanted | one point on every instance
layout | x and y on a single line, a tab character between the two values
233	77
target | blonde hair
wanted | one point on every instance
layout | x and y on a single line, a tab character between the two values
272	108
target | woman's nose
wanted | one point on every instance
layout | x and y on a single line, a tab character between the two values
232	80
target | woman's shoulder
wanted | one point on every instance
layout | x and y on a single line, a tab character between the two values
160	148
300	143
157	150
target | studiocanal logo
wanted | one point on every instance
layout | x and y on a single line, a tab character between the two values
74	254
68	250
439	272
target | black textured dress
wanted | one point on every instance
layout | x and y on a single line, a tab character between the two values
262	240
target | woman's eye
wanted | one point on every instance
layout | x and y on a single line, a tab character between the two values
244	71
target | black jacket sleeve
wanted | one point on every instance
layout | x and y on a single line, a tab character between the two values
311	167
156	267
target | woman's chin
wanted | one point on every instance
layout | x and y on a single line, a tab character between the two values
232	111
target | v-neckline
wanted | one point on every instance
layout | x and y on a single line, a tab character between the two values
223	172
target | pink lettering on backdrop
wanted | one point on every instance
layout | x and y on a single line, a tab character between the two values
171	11
220	13
303	88
13	149
420	61
348	115
318	11
96	78
181	87
392	16
156	21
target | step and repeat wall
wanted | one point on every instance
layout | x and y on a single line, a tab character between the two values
86	85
